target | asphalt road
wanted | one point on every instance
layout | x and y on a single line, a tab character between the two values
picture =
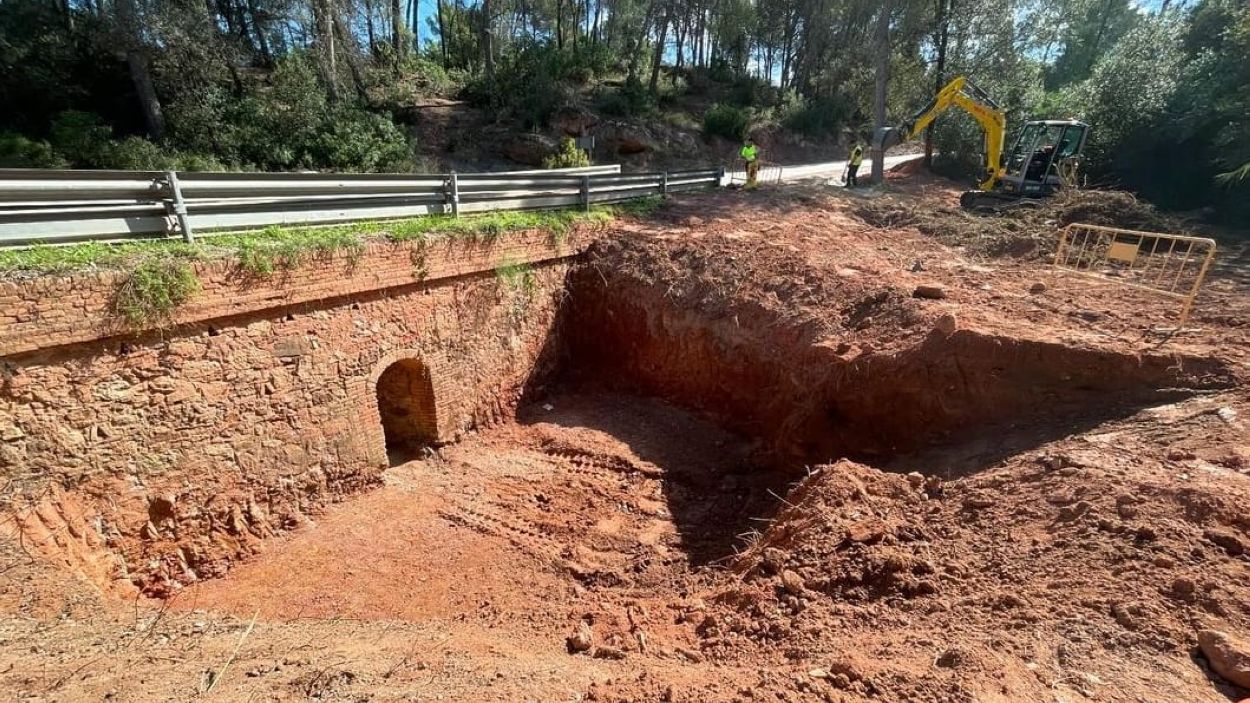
779	173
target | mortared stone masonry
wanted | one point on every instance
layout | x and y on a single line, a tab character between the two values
153	458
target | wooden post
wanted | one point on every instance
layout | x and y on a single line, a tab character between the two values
664	184
585	193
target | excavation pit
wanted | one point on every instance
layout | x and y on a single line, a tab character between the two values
735	463
661	438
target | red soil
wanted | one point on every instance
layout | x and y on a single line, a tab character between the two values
1046	501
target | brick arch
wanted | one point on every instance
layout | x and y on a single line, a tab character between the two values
405	411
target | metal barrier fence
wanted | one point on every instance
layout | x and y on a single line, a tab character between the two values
68	206
769	174
1169	264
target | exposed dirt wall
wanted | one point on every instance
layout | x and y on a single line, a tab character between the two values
796	383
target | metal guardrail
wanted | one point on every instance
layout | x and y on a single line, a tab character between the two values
69	206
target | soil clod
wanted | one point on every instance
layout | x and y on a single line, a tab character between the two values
1229	656
930	291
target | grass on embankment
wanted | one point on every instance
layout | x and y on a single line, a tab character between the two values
262	251
160	277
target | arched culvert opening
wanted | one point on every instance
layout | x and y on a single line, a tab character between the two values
406	404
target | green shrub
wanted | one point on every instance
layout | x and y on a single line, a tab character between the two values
630	100
352	139
822	117
726	121
568	156
419	76
748	91
536	79
17	151
431	78
137	154
199	162
82	138
153	290
720	71
290	125
260	254
211	121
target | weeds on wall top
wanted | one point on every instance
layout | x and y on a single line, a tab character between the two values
516	276
265	251
150	293
260	254
489	226
160	276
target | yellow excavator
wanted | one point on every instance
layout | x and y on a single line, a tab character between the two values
1045	158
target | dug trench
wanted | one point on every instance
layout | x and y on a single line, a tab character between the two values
752	477
645	502
872	376
994	534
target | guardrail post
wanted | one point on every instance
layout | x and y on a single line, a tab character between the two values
585	193
453	194
720	176
664	184
178	207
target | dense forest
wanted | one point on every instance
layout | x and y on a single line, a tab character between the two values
329	84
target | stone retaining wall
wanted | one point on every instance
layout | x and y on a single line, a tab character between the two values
155	457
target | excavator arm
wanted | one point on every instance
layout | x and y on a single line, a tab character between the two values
962	93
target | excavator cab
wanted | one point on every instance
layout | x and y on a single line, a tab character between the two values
1045	158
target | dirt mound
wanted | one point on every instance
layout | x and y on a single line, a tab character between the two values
742	279
1021	231
1086	555
847	531
907	168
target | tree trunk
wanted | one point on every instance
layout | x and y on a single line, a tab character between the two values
414	20
1102	30
323	18
944	8
682	30
262	34
141	75
370	32
397	33
442	33
654	85
882	41
140	68
697	41
351	52
488	42
635	44
560	24
786	47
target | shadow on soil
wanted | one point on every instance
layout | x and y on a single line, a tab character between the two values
713	485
